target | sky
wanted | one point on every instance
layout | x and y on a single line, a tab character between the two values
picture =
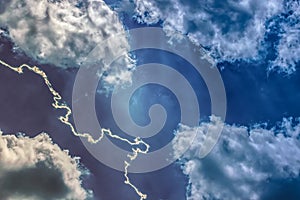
254	45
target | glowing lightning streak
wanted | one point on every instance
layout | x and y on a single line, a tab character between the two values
65	119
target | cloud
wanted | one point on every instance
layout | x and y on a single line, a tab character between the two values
63	33
35	168
229	30
288	49
246	163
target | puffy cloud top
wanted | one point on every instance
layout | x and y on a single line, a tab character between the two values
35	168
63	33
246	163
229	30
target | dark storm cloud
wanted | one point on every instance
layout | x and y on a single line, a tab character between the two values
40	182
35	168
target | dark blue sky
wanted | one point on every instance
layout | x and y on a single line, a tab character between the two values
253	96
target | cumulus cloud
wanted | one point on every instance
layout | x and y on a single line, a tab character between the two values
245	163
229	30
35	168
232	29
63	33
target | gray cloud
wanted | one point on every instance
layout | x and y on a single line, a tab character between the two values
35	168
39	181
246	163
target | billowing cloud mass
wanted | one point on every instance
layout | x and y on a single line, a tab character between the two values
229	30
246	163
63	33
37	169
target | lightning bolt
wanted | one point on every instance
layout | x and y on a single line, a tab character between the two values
65	119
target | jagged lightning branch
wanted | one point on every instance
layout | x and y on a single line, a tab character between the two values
57	104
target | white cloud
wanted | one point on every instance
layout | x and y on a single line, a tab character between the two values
63	33
243	163
231	30
289	46
35	168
